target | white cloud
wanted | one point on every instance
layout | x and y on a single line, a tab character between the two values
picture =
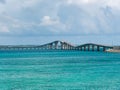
99	15
4	29
86	16
89	26
114	4
101	3
47	20
54	24
81	1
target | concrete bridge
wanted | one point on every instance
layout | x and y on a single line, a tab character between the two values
58	45
93	47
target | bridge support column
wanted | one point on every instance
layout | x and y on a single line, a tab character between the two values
79	48
70	47
56	45
88	47
93	48
67	47
64	46
48	46
98	48
51	46
84	48
61	45
104	48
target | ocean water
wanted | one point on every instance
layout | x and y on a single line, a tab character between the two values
59	70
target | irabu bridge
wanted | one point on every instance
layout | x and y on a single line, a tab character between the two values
58	45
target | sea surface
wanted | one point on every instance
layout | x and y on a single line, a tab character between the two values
59	70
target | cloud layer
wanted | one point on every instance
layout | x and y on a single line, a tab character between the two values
2	1
59	17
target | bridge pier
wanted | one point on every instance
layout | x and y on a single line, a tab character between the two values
98	48
88	47
93	48
84	48
56	44
104	48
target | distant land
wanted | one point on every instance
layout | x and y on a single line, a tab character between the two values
115	49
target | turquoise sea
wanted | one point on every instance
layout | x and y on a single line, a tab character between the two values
59	70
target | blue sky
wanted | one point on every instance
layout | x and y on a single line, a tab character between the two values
75	21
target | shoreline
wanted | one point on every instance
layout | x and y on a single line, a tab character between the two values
113	50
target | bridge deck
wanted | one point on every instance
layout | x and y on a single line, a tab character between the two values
58	45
